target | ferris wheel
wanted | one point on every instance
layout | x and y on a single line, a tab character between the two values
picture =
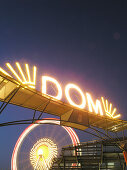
40	144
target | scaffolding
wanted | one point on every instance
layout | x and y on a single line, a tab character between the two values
93	155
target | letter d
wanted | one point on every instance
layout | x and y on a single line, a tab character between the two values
52	80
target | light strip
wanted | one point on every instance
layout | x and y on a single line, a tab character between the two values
3	71
34	74
20	70
13	71
28	72
114	110
117	116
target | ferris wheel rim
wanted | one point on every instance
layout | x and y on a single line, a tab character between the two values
69	130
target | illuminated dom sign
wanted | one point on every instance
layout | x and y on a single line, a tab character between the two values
102	106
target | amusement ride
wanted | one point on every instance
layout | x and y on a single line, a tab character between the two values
41	146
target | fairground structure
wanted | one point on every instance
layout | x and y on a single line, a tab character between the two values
108	152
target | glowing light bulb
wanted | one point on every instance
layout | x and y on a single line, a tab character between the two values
40	152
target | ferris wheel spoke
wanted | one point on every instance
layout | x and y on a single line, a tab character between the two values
54	131
40	130
46	130
30	139
24	153
34	136
26	167
64	138
23	161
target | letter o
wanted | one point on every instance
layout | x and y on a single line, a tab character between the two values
73	86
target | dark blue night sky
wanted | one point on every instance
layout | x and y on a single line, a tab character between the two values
84	42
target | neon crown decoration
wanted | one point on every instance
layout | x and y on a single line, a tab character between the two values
101	106
108	109
23	80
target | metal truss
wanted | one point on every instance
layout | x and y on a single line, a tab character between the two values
102	135
93	155
8	99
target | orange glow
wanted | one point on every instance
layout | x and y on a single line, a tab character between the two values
52	80
108	109
73	86
42	150
94	107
